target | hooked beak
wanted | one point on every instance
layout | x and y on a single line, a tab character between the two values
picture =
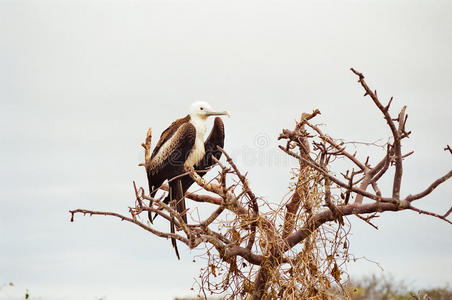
217	113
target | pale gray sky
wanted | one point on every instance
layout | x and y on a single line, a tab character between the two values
81	81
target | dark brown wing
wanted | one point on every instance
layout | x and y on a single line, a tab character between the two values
215	139
169	160
168	133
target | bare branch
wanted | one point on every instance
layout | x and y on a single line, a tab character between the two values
337	181
124	218
327	215
394	130
448	149
147	148
367	220
424	212
447	213
335	145
411	198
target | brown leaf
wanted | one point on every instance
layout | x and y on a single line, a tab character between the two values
212	269
336	273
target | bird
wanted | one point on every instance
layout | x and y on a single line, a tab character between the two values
180	146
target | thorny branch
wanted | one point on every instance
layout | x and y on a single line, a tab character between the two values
296	249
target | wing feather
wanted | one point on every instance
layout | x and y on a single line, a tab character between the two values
169	161
175	150
215	139
169	132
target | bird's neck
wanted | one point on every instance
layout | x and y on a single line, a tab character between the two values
198	150
200	125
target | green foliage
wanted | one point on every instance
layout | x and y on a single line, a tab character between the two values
367	288
386	288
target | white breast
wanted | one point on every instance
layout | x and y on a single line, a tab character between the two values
197	153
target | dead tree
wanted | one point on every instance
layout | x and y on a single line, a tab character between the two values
298	248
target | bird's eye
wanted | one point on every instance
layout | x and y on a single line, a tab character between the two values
201	108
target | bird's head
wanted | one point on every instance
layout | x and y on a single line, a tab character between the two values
202	110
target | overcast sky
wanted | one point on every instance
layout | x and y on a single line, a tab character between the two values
81	81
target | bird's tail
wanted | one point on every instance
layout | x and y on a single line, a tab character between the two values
153	191
173	240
